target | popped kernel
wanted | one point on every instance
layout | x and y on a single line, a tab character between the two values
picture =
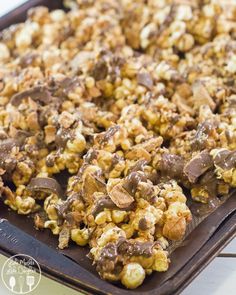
132	275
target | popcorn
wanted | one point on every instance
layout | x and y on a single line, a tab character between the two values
134	101
4	52
132	275
79	236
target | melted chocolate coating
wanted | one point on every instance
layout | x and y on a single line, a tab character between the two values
37	93
203	131
107	203
172	166
45	184
62	136
100	70
198	165
132	180
225	159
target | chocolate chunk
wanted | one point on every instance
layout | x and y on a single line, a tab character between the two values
143	249
92	183
7	162
209	182
204	130
38	93
225	159
142	225
198	165
45	184
136	248
120	196
74	218
100	70
172	166
132	180
145	79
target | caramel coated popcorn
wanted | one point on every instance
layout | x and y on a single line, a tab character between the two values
109	113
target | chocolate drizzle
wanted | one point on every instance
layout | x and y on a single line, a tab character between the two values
62	136
101	204
64	207
107	135
130	248
107	203
138	166
132	180
90	156
63	87
37	93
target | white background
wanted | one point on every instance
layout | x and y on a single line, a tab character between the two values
219	278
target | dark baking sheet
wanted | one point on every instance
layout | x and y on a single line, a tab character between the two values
19	14
18	236
73	268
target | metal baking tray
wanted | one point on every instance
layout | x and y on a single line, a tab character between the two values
71	267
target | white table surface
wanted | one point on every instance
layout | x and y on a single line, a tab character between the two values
219	278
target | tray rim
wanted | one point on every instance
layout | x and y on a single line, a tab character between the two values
203	257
